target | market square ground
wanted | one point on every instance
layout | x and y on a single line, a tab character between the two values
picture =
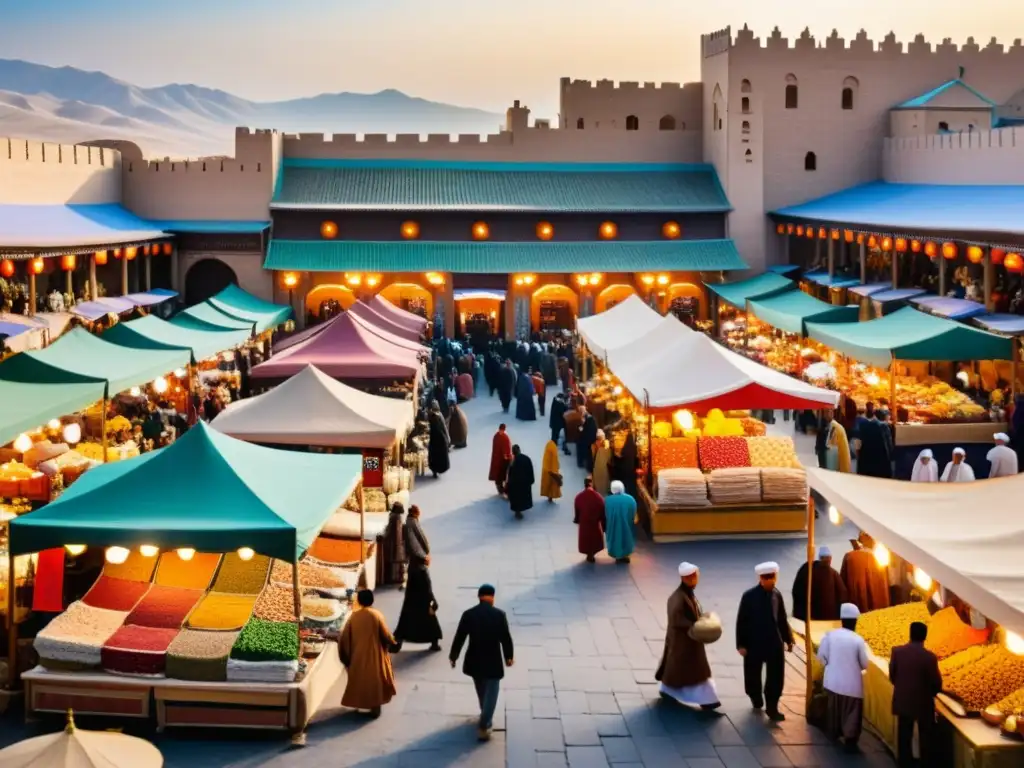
588	638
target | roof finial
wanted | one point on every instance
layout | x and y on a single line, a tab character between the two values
962	71
70	726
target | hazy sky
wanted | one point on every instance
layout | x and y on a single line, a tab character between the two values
482	53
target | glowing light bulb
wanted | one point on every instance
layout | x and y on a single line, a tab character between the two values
186	553
872	379
160	385
662	279
922	579
833	516
72	433
74	549
684	419
881	555
53	425
1014	643
135	392
22	443
647	279
180	373
116	555
617	390
245	553
148	550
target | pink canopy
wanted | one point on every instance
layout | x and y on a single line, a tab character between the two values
391	338
368	313
344	350
303	335
398	315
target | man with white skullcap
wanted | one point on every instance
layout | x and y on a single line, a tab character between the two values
958	470
762	638
1002	458
828	591
684	672
845	656
619	513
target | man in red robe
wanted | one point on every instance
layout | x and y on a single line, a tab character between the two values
501	457
538	387
588	514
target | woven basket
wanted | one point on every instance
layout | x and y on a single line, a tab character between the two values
707	629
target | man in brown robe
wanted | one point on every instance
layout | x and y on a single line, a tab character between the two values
588	514
363	650
684	672
867	583
828	592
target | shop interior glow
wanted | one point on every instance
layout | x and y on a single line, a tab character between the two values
882	555
1014	643
683	419
148	550
186	553
116	555
74	549
922	579
617	390
160	385
72	433
53	425
245	553
872	379
180	373
833	515
22	443
135	392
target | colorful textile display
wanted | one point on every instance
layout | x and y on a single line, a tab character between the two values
195	573
115	594
781	485
242	577
734	485
722	452
674	453
164	607
48	594
772	452
219	611
134	650
136	567
78	634
682	488
201	656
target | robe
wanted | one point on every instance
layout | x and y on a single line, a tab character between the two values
526	410
838	449
464	387
556	417
624	465
602	467
828	593
1003	460
957	473
492	372
874	458
620	514
393	550
538	388
588	514
458	428
549	369
520	483
363	649
549	467
867	585
506	386
587	436
440	443
573	422
501	455
684	661
417	623
925	473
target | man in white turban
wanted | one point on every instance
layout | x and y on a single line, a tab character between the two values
845	656
925	469
619	514
1002	458
684	672
762	638
958	470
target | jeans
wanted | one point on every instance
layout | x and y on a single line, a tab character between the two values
487	695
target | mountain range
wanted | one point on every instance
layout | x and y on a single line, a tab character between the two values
69	105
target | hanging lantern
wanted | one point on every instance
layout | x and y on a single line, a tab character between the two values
901	245
328	230
799	230
168	249
145	250
36	265
131	253
100	257
67	262
410	230
872	242
860	239
975	254
1013	262
780	229
822	234
6	268
608	230
915	246
886	243
790	228
848	235
835	234
671	230
997	255
481	231
117	253
949	251
810	233
931	250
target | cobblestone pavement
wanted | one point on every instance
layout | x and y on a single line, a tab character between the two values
588	638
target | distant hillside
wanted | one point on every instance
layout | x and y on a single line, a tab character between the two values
69	105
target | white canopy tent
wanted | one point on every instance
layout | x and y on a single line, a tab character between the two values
311	408
679	368
667	332
965	536
622	324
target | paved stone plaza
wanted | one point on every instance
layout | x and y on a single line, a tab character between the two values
588	639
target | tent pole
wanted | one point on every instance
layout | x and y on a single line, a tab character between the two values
12	627
649	469
103	427
362	525
808	644
892	391
1014	358
296	590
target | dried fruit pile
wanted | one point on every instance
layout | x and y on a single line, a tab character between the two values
986	681
886	628
135	568
722	452
947	634
1014	701
219	611
320	607
137	650
276	604
201	656
115	594
964	658
242	577
187	574
164	607
263	640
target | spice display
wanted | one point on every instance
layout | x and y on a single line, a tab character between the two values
772	452
338	550
722	452
219	611
135	568
134	650
276	604
783	485
115	594
78	634
164	607
262	640
986	681
242	577
312	576
196	573
673	453
886	628
947	634
966	657
200	656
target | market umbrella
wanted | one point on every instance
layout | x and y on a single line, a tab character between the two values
72	748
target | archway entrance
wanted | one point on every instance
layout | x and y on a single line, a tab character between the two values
327	301
612	295
686	301
554	307
206	278
410	297
479	314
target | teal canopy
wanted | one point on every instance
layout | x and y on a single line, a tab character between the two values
24	406
235	302
206	317
908	334
206	491
78	356
151	332
792	310
737	293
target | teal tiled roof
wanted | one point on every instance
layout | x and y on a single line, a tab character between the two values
574	188
216	226
925	99
503	257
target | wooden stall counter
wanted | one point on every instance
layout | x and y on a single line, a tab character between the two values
941	434
669	523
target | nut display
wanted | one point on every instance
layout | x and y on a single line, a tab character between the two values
276	604
947	634
314	576
986	681
965	658
886	628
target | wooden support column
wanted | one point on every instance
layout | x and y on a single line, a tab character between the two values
31	291
940	260
149	271
895	269
808	642
817	252
124	272
94	292
863	256
989	281
831	258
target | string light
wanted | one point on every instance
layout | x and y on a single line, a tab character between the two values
833	516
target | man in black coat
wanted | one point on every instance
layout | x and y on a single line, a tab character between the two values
492	371
490	651
585	442
506	385
762	638
556	419
916	681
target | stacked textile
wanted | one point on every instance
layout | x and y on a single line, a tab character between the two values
239	671
734	485
200	655
74	639
779	484
682	488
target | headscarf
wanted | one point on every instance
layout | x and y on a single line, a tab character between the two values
618	488
925	473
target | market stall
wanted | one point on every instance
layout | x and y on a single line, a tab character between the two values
397	314
790	311
376	319
236	303
628	320
153	333
364	320
208	601
954	550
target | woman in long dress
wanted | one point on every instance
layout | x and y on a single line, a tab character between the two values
394	547
526	409
838	455
684	672
550	473
417	623
602	473
440	442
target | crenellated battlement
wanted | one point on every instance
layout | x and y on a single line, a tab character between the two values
969	157
744	40
342	141
25	151
625	85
